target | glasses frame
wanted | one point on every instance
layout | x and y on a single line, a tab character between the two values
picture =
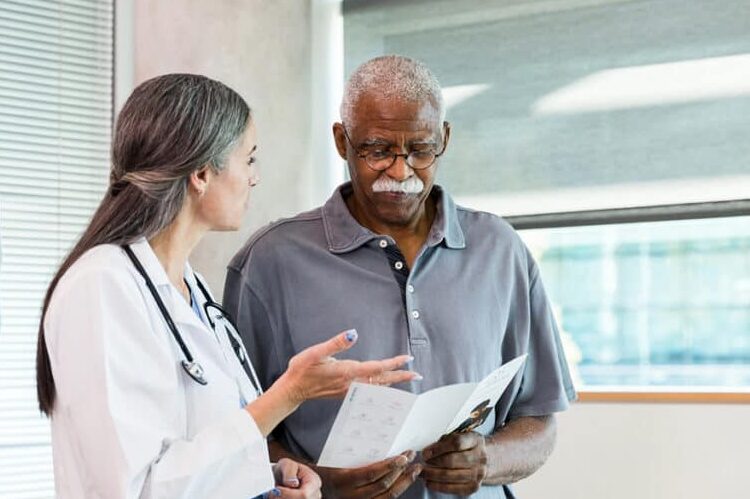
394	155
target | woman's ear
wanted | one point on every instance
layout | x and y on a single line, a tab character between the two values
199	180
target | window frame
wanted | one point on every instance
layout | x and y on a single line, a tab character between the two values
664	213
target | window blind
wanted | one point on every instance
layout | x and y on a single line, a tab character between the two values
55	124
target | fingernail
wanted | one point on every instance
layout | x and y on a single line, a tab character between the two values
409	358
417	377
351	335
416	472
293	482
410	455
276	492
401	461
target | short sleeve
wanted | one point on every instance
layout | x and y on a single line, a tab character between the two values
254	325
546	386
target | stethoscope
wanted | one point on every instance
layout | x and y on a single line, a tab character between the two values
189	364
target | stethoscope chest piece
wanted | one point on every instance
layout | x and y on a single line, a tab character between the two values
195	371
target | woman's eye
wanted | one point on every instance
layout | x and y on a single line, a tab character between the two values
251	161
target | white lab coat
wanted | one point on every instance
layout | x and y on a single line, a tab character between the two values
128	422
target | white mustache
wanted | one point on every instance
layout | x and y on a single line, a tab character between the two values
412	185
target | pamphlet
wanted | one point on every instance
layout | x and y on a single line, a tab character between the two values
376	422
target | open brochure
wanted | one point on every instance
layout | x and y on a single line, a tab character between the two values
377	422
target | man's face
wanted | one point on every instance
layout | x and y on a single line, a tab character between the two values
401	127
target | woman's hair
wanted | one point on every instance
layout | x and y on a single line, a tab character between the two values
170	126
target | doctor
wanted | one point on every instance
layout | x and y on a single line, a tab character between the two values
147	385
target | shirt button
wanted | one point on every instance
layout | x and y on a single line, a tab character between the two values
383	243
398	265
415	314
410	288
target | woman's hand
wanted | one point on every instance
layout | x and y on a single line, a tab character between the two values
295	480
314	373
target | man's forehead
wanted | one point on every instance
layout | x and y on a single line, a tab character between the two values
391	112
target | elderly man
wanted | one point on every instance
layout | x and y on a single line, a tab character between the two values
391	255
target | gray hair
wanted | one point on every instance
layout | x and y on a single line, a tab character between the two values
392	76
170	126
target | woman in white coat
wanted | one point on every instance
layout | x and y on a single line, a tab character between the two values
146	383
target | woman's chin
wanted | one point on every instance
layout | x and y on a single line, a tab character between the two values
227	226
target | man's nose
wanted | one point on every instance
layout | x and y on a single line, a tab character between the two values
400	170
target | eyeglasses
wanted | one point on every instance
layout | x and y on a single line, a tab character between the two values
383	158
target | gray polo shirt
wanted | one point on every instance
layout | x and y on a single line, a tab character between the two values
472	300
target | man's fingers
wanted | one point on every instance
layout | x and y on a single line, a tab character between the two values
458	489
404	481
452	443
445	475
381	485
360	477
339	343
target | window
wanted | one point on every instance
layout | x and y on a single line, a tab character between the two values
55	123
612	134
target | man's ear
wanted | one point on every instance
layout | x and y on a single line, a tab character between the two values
446	134
339	138
199	180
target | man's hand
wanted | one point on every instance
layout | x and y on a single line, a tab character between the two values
387	478
456	464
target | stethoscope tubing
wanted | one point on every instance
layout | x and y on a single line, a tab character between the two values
189	364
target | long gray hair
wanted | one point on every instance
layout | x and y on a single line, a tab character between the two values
170	126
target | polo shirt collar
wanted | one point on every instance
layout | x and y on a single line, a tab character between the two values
344	234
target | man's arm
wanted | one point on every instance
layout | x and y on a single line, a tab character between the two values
461	463
386	478
519	448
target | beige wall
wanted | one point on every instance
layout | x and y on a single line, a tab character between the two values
647	451
262	49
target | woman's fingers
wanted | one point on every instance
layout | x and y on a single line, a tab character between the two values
314	373
393	378
286	473
308	486
377	367
308	477
339	343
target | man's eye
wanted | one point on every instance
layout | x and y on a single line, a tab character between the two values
424	154
379	154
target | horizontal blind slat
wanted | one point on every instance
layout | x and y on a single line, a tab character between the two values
55	130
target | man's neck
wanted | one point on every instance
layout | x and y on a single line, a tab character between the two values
409	237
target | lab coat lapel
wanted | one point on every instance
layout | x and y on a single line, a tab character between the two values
180	310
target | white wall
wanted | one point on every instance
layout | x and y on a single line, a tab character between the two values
647	451
268	51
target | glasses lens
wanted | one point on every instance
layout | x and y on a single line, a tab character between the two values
380	160
421	159
384	159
